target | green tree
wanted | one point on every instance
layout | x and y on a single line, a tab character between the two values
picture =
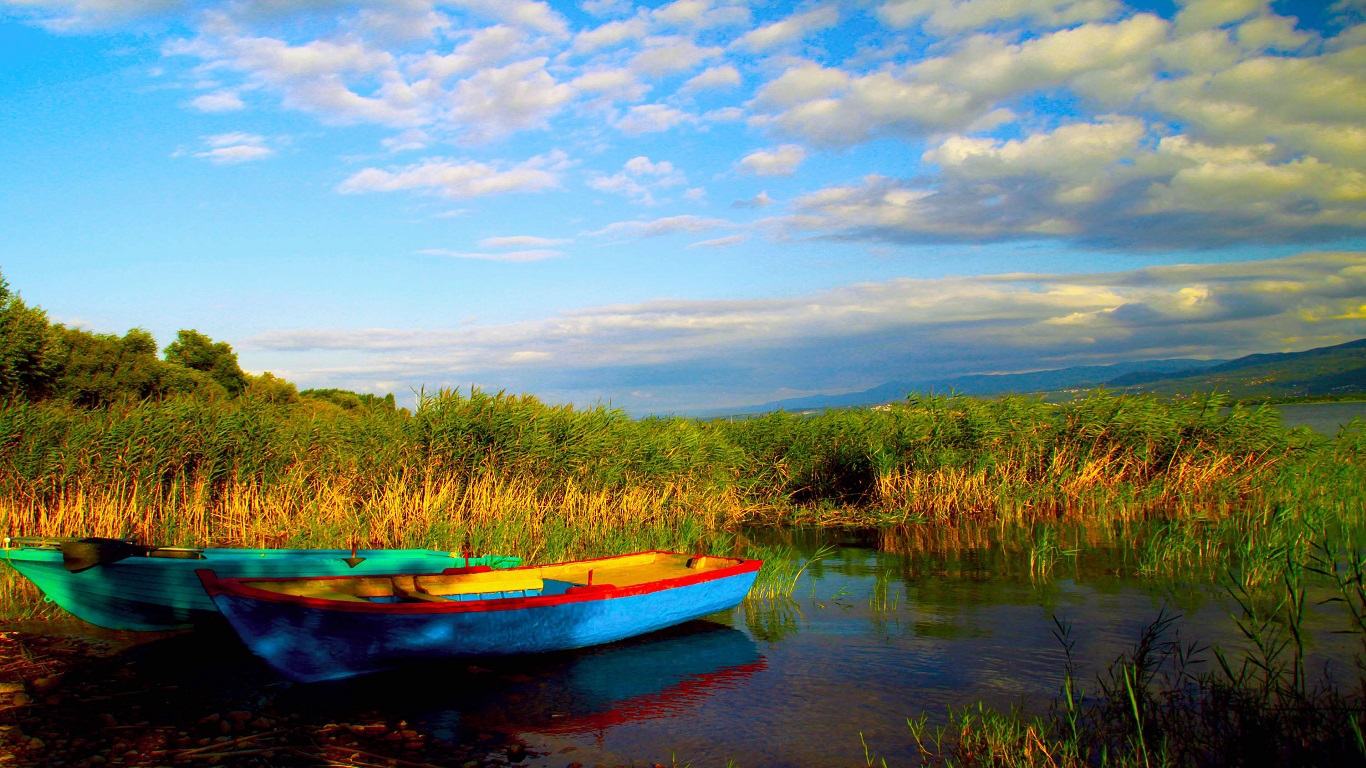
25	370
351	401
198	352
95	369
272	389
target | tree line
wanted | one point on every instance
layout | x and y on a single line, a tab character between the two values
43	361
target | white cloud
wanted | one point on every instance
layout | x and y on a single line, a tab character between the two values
789	30
606	7
652	118
611	84
761	200
671	225
242	153
460	180
234	148
725	76
526	14
218	101
495	102
670	55
638	179
610	35
801	83
1111	182
700	14
957	16
782	161
314	76
954	91
868	334
488	47
721	242
407	141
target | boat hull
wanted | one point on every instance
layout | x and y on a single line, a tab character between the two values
311	640
152	593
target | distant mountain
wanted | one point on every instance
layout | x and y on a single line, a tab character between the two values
1335	370
984	384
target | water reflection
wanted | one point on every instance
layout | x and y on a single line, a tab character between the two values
658	676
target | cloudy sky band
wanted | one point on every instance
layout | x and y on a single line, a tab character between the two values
583	190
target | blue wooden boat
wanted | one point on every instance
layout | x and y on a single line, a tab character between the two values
119	584
327	628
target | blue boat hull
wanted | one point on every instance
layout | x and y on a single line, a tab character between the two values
310	641
151	593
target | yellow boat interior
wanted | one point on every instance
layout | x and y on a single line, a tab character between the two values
560	578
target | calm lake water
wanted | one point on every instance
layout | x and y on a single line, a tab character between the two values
889	625
1326	418
871	637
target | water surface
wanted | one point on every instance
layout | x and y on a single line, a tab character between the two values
880	631
1325	418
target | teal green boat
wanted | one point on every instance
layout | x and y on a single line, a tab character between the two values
120	584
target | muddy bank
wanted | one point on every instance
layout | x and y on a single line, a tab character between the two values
72	696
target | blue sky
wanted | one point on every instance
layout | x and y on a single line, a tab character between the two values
691	204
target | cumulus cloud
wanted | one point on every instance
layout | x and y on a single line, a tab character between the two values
461	180
494	102
611	84
611	34
526	14
724	76
314	76
652	118
1112	183
782	161
958	16
638	179
789	30
1093	121
872	333
955	91
487	47
700	14
670	55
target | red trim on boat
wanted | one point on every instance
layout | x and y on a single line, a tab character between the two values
214	585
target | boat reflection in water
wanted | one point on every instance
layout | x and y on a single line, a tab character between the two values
590	690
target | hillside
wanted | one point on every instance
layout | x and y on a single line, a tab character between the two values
985	385
1324	371
1336	370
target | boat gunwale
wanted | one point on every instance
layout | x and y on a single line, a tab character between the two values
242	588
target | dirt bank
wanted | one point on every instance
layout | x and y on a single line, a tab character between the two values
73	698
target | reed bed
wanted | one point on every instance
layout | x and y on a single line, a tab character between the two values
156	465
500	473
